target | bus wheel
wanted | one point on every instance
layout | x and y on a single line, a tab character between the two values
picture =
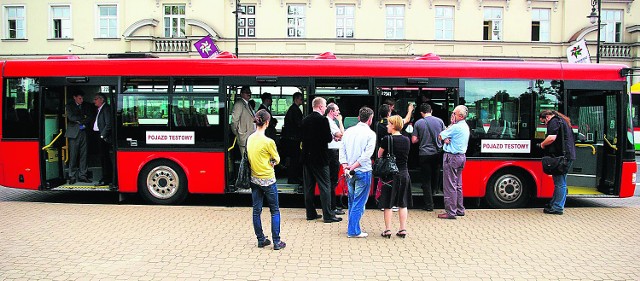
162	182
508	189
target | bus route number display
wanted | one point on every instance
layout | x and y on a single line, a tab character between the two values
505	146
168	137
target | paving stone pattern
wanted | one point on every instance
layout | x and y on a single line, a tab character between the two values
42	240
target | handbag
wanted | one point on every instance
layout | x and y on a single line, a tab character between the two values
558	165
244	173
385	166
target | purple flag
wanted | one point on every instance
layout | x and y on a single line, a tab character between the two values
205	47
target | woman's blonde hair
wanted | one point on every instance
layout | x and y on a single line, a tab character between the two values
397	122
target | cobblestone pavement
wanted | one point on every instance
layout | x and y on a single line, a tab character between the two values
69	241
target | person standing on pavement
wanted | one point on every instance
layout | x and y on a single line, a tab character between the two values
79	117
290	140
242	124
358	145
558	125
337	130
456	140
426	131
102	127
316	135
399	193
263	156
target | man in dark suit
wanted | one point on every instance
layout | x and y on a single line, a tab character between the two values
102	126
79	117
316	136
267	101
290	140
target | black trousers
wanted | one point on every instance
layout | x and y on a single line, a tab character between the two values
430	168
317	174
105	159
334	168
294	167
78	153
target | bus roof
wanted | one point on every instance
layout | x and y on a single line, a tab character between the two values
313	67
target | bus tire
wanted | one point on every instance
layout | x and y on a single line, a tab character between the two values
508	188
162	182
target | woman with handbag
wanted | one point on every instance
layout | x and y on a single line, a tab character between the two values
559	142
263	156
399	192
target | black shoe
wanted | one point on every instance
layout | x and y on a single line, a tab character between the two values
552	212
334	219
459	214
264	243
428	209
339	212
72	180
279	245
83	179
100	183
314	218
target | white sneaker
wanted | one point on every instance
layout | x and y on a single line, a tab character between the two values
394	208
361	235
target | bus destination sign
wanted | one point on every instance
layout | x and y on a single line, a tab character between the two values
505	146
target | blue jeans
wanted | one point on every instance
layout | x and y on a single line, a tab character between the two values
359	186
559	191
258	194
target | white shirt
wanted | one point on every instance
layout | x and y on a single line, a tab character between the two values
334	130
358	144
95	123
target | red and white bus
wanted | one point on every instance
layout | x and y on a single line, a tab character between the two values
172	138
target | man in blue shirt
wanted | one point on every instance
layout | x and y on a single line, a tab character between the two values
456	140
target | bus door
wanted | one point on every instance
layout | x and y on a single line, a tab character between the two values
596	114
55	156
282	90
441	94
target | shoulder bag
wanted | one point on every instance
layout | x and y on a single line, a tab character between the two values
557	165
244	173
385	166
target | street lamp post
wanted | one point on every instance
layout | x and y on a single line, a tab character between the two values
237	11
593	18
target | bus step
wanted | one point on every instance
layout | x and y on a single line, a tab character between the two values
84	188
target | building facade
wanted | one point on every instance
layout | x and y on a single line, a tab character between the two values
452	29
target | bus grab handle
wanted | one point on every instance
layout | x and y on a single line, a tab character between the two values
593	148
608	143
233	145
53	141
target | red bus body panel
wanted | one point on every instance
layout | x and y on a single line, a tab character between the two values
305	68
20	158
204	170
477	173
627	183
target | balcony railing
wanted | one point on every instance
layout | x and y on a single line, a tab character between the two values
171	45
613	50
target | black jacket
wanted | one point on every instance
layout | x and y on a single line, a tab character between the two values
104	122
316	136
292	123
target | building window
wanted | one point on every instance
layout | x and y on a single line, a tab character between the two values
107	21
444	22
492	29
345	20
174	21
295	20
15	23
247	21
612	29
60	22
395	22
540	25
